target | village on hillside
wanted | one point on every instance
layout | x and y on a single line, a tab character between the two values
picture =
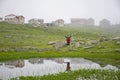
35	22
59	39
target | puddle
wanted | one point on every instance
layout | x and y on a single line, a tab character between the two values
42	66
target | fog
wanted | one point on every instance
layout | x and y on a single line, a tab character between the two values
50	10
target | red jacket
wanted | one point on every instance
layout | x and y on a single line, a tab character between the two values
68	39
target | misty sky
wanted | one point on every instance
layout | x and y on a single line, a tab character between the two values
50	10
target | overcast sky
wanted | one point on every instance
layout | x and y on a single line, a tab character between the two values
50	10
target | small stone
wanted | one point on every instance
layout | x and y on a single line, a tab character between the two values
88	47
51	42
94	42
118	42
19	50
117	50
59	45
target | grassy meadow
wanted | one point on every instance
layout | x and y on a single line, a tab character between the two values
78	75
23	42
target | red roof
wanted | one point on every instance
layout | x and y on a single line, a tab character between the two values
11	15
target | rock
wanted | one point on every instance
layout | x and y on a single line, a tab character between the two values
4	50
7	36
12	47
19	50
58	45
101	47
117	50
40	50
14	41
118	42
81	42
94	42
94	51
77	44
116	38
88	44
106	39
32	48
45	49
88	47
51	42
72	42
103	39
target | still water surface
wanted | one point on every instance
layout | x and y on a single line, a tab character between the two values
44	66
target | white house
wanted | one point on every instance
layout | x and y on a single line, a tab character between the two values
59	22
11	18
82	21
90	22
104	23
78	21
36	22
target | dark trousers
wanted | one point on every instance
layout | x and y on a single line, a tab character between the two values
68	43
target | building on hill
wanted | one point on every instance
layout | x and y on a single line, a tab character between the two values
36	22
82	21
78	21
104	23
1	19
59	22
90	22
48	24
13	19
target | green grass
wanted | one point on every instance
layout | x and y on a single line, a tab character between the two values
78	75
13	36
102	59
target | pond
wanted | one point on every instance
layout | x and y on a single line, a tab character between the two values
44	66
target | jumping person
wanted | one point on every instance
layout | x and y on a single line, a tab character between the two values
68	40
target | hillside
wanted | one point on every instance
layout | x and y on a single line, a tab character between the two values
23	36
89	42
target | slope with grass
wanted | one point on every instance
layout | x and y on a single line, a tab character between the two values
23	41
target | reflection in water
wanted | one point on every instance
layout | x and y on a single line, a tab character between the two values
68	66
42	66
17	63
36	61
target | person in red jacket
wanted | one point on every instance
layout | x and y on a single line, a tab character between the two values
68	39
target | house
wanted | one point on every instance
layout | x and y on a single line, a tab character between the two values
1	19
49	24
59	22
82	21
90	22
78	21
104	23
36	22
13	19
